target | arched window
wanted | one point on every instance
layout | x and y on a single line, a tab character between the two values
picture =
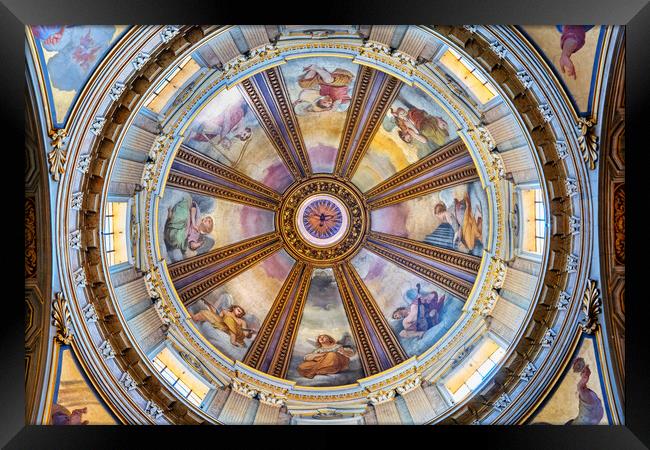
469	75
179	377
116	219
474	369
531	204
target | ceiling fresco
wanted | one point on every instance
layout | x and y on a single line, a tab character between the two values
332	224
320	90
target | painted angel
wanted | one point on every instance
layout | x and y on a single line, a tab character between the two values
76	50
187	229
323	90
423	310
416	125
227	317
329	357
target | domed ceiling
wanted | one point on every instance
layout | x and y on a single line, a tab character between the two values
324	223
328	213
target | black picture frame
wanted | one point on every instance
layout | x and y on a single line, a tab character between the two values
15	14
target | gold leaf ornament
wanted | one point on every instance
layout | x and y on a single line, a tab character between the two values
57	156
61	319
591	307
588	142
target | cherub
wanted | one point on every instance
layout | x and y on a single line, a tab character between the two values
422	313
228	318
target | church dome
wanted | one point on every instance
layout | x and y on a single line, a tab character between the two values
324	223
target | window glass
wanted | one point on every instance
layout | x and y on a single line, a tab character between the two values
476	368
179	377
115	224
469	75
534	219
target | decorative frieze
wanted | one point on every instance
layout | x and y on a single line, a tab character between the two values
97	125
499	49
271	399
525	78
243	388
169	32
377	398
500	269
571	263
409	385
128	382
90	314
571	186
152	284
485	137
574	225
165	313
76	202
153	410
486	308
74	239
83	163
502	402
497	168
562	149
549	338
546	111
563	301
140	60
528	372
79	278
117	90
106	350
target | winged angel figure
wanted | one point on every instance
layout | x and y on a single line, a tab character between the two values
329	357
422	311
226	316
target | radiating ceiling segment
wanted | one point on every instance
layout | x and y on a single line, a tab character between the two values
418	311
228	131
230	316
320	90
412	127
325	352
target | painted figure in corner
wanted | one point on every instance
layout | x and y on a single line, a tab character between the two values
572	40
590	407
62	415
